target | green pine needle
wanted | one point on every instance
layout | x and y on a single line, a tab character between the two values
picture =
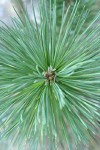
50	79
90	5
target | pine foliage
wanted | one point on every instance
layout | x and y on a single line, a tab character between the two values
50	79
89	5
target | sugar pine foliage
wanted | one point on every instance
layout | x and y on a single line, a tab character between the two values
50	79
